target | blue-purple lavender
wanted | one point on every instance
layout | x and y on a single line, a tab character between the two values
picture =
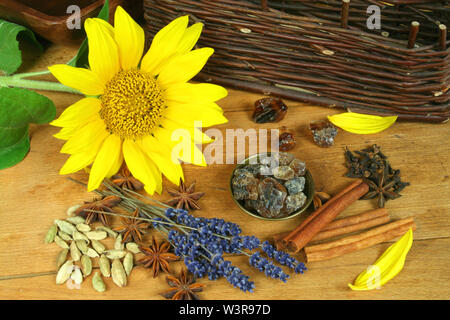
204	241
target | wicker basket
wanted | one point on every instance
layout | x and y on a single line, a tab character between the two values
321	51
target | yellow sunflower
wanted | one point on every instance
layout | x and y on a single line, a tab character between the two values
134	105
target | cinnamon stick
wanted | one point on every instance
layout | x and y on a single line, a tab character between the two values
343	223
298	240
319	210
351	228
363	243
358	237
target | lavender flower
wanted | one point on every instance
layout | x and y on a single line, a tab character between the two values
202	246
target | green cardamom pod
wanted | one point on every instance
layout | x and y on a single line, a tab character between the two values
105	266
86	265
74	252
96	235
118	274
128	263
115	254
91	253
97	283
98	246
79	236
133	247
83	227
60	242
51	233
110	232
76	220
82	246
118	245
72	209
64	272
64	236
65	226
61	258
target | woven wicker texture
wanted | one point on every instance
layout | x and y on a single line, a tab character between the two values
322	52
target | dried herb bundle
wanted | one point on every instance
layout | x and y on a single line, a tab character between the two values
372	165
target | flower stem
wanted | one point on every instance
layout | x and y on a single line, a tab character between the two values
30	74
14	81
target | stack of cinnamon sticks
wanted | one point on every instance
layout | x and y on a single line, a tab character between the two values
320	225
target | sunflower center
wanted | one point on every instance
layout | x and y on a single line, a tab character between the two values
132	104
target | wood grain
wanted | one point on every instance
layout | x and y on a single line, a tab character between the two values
33	194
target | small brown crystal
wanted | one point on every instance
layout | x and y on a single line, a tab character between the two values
286	139
323	133
269	110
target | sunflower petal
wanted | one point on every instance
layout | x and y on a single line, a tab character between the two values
130	39
78	161
208	113
183	128
85	136
105	160
142	167
67	132
191	93
161	155
184	67
361	123
182	146
83	80
190	38
78	113
103	52
164	45
116	166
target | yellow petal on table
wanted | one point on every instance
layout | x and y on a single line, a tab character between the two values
78	113
184	67
103	52
107	158
209	114
387	266
161	156
142	167
130	39
85	136
191	93
361	123
83	80
164	45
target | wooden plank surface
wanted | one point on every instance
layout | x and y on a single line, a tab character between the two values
33	194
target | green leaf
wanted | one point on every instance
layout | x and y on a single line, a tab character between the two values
81	59
10	54
18	108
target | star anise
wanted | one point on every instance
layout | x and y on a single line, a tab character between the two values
157	257
124	179
185	198
184	287
132	228
383	187
105	204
